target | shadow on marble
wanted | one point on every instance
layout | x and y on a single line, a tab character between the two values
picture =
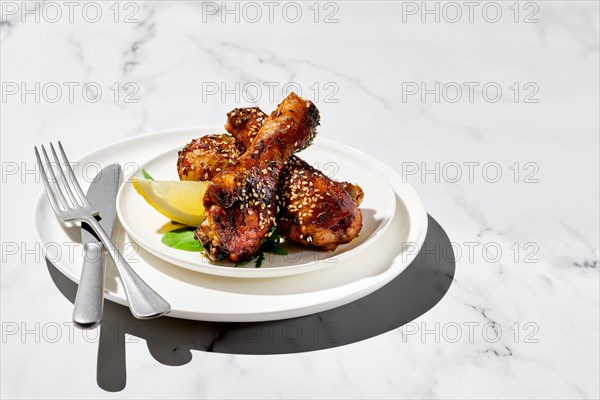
170	341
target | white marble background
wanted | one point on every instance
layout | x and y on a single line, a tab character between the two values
370	57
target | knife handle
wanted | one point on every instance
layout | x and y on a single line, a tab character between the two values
144	302
89	301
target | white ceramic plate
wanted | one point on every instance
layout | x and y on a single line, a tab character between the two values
199	296
146	226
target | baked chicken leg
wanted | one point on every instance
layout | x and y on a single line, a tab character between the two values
316	210
242	201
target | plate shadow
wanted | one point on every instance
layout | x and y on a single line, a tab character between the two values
170	341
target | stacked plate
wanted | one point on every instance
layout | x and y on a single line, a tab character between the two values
303	282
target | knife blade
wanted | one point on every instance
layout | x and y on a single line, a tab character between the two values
102	195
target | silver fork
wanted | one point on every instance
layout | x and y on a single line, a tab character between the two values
144	302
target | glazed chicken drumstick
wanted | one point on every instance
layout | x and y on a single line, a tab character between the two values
242	201
316	210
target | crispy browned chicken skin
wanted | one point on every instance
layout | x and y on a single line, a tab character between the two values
242	201
204	158
316	210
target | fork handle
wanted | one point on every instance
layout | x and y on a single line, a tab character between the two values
144	302
87	312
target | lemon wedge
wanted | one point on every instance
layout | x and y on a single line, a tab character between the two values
180	201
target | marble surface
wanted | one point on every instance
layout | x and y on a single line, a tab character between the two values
509	169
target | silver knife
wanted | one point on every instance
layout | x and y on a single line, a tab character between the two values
89	302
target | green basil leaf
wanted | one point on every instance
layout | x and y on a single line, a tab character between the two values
279	251
147	175
182	239
259	260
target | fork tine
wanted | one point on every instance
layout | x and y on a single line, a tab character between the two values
49	190
72	176
57	188
62	174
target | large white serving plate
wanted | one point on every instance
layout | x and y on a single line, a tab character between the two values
200	296
146	226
